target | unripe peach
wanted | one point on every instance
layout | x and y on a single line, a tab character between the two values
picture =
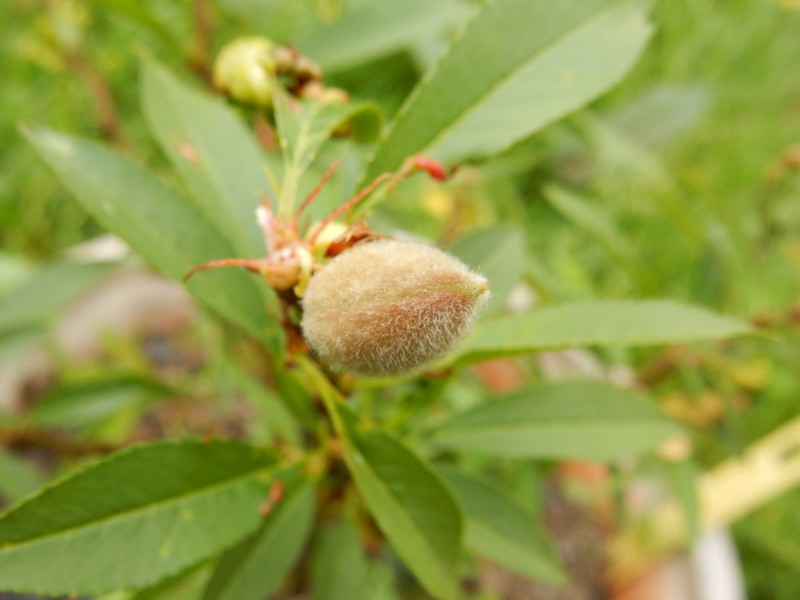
389	307
245	70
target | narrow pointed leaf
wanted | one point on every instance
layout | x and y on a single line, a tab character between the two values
411	505
214	154
253	569
17	477
378	29
520	65
82	405
599	225
339	567
501	530
597	323
304	126
683	477
20	342
164	228
275	423
187	585
134	518
589	420
146	17
29	310
47	294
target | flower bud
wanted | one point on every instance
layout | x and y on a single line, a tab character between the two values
389	307
245	69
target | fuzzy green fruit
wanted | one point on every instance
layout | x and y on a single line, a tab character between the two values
245	70
390	307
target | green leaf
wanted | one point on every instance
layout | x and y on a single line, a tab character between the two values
214	154
520	65
85	404
600	323
186	585
275	422
15	270
501	530
44	297
339	568
163	227
19	342
411	505
253	569
499	254
379	29
661	113
304	126
17	477
683	477
293	390
602	228
134	518
140	13
276	19
589	420
28	310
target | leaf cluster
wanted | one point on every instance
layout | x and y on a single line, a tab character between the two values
425	477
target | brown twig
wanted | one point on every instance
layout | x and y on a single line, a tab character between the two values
57	443
200	57
105	106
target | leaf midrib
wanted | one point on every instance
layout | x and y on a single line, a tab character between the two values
719	324
680	335
441	570
519	428
170	257
99	184
565	40
161	504
287	510
231	216
522	546
151	232
466	111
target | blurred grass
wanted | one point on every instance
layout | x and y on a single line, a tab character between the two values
748	54
37	216
729	166
708	203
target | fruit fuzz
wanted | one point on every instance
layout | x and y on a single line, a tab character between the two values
390	307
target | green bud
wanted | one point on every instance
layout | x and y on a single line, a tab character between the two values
245	70
390	307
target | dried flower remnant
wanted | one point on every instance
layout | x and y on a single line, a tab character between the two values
290	257
390	307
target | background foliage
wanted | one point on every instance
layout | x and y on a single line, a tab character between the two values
679	183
